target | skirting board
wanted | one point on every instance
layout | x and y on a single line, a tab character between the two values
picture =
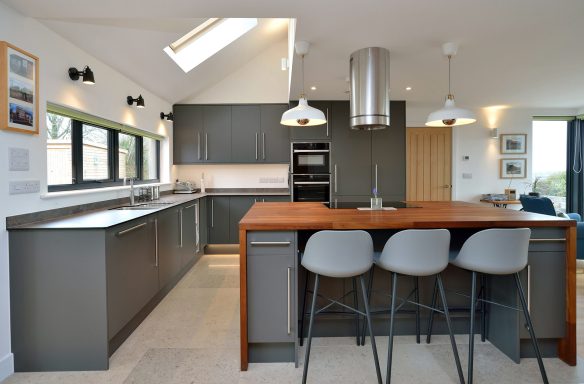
6	366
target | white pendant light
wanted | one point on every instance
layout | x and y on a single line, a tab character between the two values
302	115
450	115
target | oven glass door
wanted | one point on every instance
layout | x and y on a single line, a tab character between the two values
310	162
311	188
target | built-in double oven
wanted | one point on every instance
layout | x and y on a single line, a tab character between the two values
310	173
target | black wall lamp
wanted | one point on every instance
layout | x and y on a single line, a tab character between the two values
169	116
139	101
87	74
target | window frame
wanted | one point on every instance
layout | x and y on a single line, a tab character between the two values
78	183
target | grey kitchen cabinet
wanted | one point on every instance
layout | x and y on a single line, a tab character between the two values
274	138
388	155
218	216
246	137
170	252
188	231
203	224
132	270
313	133
275	199
351	154
217	135
238	207
271	287
187	134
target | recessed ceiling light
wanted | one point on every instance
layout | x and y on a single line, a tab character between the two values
408	88
206	40
313	88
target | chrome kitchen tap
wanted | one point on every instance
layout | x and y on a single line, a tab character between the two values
131	191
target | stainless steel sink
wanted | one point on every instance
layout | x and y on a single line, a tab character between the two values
149	205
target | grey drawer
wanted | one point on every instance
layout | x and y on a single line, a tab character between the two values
547	240
271	242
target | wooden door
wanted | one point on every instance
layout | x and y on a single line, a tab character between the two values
428	164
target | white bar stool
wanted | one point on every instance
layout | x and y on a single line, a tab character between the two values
339	254
417	253
497	252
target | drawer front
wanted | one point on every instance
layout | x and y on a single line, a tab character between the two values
271	243
547	240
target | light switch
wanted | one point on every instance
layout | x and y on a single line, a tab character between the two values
467	175
465	158
24	186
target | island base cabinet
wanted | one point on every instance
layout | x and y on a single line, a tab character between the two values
271	290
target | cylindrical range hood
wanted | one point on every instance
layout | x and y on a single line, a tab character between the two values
369	69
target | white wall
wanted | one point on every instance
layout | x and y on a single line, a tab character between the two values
236	175
105	99
473	140
260	80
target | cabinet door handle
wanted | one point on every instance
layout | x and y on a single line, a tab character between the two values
156	242
263	145
206	147
212	213
256	144
335	178
547	240
199	145
327	123
336	205
289	300
528	288
376	178
180	221
121	233
260	243
190	206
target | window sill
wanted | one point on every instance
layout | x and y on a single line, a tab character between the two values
53	195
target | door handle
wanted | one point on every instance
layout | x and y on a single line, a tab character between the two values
327	123
274	243
335	178
206	147
446	186
212	213
156	242
180	220
263	145
121	233
256	144
376	190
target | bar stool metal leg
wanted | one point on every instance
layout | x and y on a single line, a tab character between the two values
417	299
303	313
368	315
312	311
483	307
356	303
432	313
390	343
369	289
448	323
473	300
530	328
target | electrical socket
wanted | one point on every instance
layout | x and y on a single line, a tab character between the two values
24	186
271	180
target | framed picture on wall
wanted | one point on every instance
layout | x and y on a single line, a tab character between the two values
19	90
515	143
513	168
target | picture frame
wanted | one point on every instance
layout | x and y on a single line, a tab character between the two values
19	90
514	144
513	168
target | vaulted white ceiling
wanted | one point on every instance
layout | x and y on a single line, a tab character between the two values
521	53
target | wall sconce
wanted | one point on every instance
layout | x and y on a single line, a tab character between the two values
169	116
87	74
494	133
139	101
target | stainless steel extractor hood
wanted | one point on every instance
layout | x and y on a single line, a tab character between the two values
369	69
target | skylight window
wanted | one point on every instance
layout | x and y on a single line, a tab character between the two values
206	40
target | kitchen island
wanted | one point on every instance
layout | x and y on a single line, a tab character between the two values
272	237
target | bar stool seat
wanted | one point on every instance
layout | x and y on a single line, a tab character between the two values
497	252
339	254
417	253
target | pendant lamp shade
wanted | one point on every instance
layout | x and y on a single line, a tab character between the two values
450	116
303	115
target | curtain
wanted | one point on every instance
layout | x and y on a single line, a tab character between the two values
575	167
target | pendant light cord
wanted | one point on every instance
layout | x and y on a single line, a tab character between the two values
449	58
303	94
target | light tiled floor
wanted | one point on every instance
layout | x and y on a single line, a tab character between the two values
193	337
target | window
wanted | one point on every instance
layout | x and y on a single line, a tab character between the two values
549	161
83	154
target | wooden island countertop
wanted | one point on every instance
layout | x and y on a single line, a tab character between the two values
295	216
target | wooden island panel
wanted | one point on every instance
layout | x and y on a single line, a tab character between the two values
291	216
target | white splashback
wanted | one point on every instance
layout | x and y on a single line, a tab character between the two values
235	175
